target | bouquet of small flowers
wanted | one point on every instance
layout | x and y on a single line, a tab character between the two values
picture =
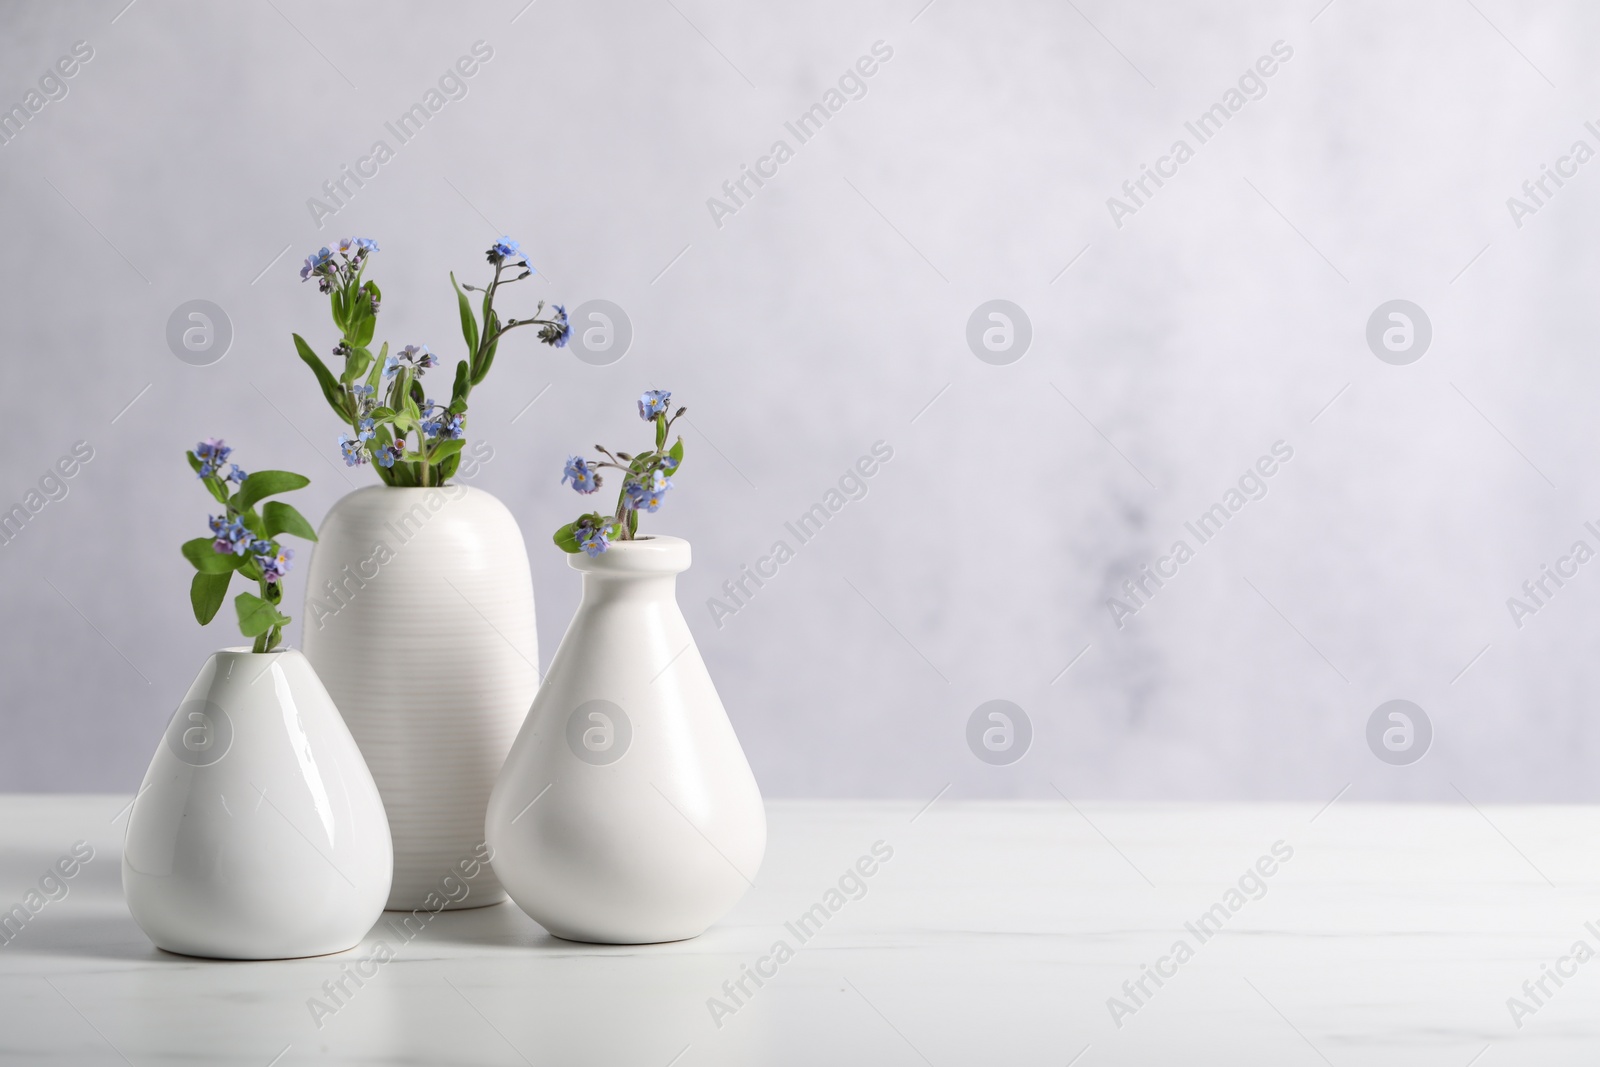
411	440
244	541
645	481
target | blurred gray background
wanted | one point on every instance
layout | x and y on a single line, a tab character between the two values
1228	312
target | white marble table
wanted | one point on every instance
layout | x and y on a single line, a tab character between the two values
995	934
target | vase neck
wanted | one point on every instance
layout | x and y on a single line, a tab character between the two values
602	587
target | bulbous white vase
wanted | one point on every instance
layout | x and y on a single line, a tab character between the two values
626	812
419	618
257	833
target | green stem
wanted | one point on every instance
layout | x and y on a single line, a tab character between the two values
622	497
268	638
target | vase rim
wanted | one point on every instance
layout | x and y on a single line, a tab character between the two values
414	488
247	650
651	554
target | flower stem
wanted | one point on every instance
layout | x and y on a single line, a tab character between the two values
262	639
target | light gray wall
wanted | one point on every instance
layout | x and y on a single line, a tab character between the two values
829	313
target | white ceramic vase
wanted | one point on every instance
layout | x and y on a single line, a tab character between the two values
419	618
257	833
626	812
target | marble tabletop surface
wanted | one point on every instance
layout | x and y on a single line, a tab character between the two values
1056	933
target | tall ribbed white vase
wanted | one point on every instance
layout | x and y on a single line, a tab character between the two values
419	619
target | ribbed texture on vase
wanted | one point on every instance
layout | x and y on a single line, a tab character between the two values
426	640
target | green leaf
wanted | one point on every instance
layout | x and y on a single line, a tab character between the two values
375	376
355	365
565	540
661	431
447	468
208	560
256	616
458	394
633	521
676	452
194	462
206	594
491	328
279	518
263	484
330	388
364	323
445	449
357	307
469	325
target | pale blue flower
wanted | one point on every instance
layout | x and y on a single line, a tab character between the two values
504	249
647	496
354	449
654	402
317	263
580	474
558	332
275	566
592	539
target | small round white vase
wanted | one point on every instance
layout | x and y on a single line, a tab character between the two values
419	618
626	812
257	832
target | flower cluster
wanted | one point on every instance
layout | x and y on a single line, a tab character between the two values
275	566
332	273
243	540
646	479
654	402
558	331
440	423
592	534
213	454
233	537
415	358
505	249
379	396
